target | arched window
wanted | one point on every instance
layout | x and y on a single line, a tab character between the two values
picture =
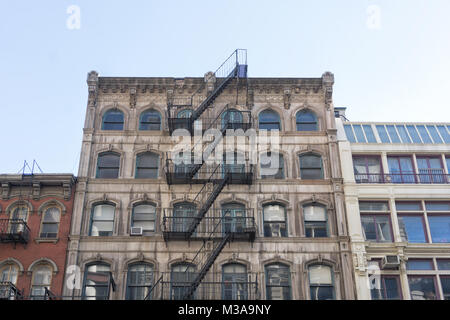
144	216
181	277
8	279
113	119
150	120
272	165
306	121
274	220
234	282
139	281
97	281
108	165
232	119
147	165
42	278
102	220
183	216
315	217
311	166
269	120
278	282
321	282
233	162
184	114
50	223
234	217
19	218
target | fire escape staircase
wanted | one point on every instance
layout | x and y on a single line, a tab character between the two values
220	176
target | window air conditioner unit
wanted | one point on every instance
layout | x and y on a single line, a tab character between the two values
136	231
390	262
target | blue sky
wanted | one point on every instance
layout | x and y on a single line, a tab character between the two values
397	71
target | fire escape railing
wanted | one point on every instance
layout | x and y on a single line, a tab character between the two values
8	291
14	230
235	66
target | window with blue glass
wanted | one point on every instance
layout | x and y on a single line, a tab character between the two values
359	133
349	133
269	120
444	133
439	221
401	169
184	114
393	134
369	133
150	120
306	121
382	133
113	119
414	134
434	134
411	222
431	170
403	134
419	264
424	134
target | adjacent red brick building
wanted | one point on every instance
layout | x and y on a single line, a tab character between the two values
35	217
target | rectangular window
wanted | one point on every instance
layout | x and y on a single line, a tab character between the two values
443	264
434	134
349	133
393	134
412	229
375	220
439	228
445	282
383	134
359	133
315	221
422	287
424	134
419	264
413	133
403	134
367	169
376	228
431	170
401	170
389	289
369	133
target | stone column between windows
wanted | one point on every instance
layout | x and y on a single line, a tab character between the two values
416	167
394	219
384	163
404	281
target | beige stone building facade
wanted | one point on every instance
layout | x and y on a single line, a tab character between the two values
397	196
139	231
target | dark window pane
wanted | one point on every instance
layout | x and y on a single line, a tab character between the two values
269	120
408	206
306	121
150	120
373	206
437	206
108	166
113	120
147	166
322	293
443	264
413	264
445	281
422	288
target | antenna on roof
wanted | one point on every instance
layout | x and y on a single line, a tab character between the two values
26	165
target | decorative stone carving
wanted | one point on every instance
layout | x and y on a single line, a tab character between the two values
36	190
287	99
133	93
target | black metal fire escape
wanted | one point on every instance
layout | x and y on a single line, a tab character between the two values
214	179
